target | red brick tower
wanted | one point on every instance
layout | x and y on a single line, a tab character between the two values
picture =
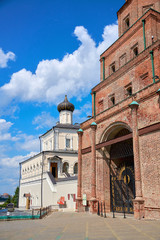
119	146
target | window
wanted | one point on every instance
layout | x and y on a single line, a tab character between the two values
68	143
76	168
126	22
111	100
65	167
134	51
144	76
128	89
112	68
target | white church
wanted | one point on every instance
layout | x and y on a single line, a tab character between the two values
50	177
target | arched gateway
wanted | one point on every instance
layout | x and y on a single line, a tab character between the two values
121	163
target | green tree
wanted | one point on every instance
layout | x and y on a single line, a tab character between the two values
9	200
16	197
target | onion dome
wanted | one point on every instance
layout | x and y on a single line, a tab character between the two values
65	105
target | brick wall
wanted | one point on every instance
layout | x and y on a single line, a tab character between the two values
150	168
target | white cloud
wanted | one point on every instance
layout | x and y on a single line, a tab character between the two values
75	75
81	114
44	120
27	142
4	131
22	140
14	161
5	57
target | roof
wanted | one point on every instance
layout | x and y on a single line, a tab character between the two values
65	105
66	179
54	152
65	126
5	194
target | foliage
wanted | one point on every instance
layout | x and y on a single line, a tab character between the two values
9	200
16	197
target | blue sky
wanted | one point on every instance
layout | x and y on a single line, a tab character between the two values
47	49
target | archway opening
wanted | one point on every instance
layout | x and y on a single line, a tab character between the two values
122	183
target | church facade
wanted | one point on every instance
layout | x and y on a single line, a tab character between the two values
50	177
119	147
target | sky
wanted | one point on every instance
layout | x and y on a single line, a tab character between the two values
47	49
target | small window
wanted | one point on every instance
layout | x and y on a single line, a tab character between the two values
68	143
129	91
111	100
76	168
135	51
65	167
112	68
126	22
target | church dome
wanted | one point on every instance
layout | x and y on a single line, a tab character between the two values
65	105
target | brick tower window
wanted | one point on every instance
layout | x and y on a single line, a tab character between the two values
135	51
112	68
111	100
128	89
126	22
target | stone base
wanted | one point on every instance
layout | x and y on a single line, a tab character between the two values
152	213
93	205
80	207
139	208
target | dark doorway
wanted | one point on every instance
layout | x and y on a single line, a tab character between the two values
122	183
54	170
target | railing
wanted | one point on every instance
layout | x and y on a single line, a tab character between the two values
26	214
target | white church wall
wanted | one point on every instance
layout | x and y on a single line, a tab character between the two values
67	189
31	167
34	188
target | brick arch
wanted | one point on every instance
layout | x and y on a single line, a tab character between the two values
112	130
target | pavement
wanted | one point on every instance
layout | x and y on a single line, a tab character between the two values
80	226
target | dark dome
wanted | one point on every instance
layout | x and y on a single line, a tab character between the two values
65	105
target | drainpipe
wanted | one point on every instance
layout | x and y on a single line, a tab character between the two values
144	34
152	60
20	167
42	180
94	103
40	144
103	58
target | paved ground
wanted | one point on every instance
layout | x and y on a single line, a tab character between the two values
77	226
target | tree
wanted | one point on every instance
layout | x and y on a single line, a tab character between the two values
9	199
16	197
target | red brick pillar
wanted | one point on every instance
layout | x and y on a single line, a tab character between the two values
138	201
93	168
79	185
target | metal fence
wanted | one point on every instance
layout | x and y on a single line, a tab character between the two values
25	214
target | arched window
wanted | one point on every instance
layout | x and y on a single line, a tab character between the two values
65	167
76	168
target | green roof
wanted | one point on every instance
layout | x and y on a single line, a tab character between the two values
93	124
